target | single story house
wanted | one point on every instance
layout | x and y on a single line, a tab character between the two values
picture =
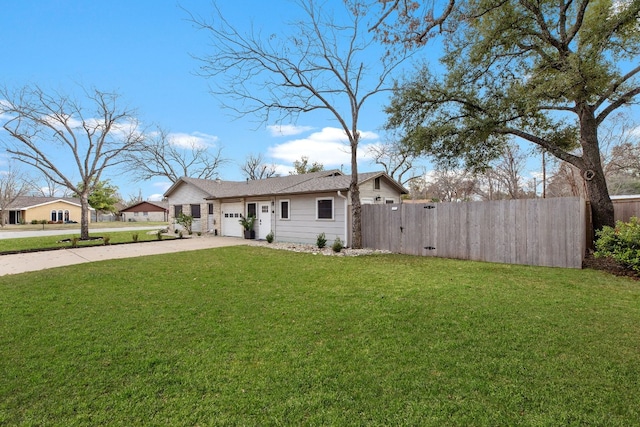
295	208
146	211
26	209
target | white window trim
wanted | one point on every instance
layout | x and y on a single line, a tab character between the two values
288	209
333	209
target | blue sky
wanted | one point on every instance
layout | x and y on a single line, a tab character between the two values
143	49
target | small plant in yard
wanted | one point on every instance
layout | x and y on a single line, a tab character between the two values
159	234
321	241
180	234
621	243
270	237
199	233
186	221
337	245
106	240
74	242
135	237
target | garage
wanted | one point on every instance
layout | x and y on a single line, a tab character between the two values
231	214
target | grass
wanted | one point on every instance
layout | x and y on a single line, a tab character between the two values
255	336
92	226
49	242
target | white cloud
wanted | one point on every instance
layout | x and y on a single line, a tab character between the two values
155	198
192	140
287	130
329	147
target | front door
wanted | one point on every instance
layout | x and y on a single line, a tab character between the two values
264	220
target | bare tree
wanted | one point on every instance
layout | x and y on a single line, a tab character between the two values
504	179
396	160
49	188
13	184
45	127
326	64
160	155
255	168
448	185
411	23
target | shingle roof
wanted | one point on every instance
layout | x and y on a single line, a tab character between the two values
161	204
25	202
332	180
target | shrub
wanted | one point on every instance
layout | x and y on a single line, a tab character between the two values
106	240
337	245
621	243
321	240
270	237
135	237
185	221
35	221
74	242
159	234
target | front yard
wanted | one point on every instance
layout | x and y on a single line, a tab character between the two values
253	336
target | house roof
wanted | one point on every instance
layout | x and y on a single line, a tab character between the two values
161	205
332	180
29	202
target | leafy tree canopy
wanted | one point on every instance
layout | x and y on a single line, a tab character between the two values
302	166
548	71
103	196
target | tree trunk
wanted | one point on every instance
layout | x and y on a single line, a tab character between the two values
592	172
354	190
84	215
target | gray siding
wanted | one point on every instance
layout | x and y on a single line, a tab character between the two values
386	191
303	227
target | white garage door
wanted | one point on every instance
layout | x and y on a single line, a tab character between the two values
231	214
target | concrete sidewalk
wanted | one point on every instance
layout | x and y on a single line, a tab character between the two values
20	263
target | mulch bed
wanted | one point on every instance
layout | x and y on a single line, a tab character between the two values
609	265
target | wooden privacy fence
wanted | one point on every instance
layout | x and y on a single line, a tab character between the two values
542	232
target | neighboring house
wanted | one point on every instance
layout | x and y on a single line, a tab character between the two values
296	208
26	209
624	207
146	211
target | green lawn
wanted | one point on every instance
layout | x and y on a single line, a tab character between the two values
254	336
61	241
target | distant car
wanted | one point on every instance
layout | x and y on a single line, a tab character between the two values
71	222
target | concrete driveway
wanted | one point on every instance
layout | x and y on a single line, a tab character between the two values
20	263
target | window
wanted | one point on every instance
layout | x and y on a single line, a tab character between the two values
54	216
177	210
210	208
284	209
376	183
145	213
389	201
324	208
252	210
195	211
66	216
